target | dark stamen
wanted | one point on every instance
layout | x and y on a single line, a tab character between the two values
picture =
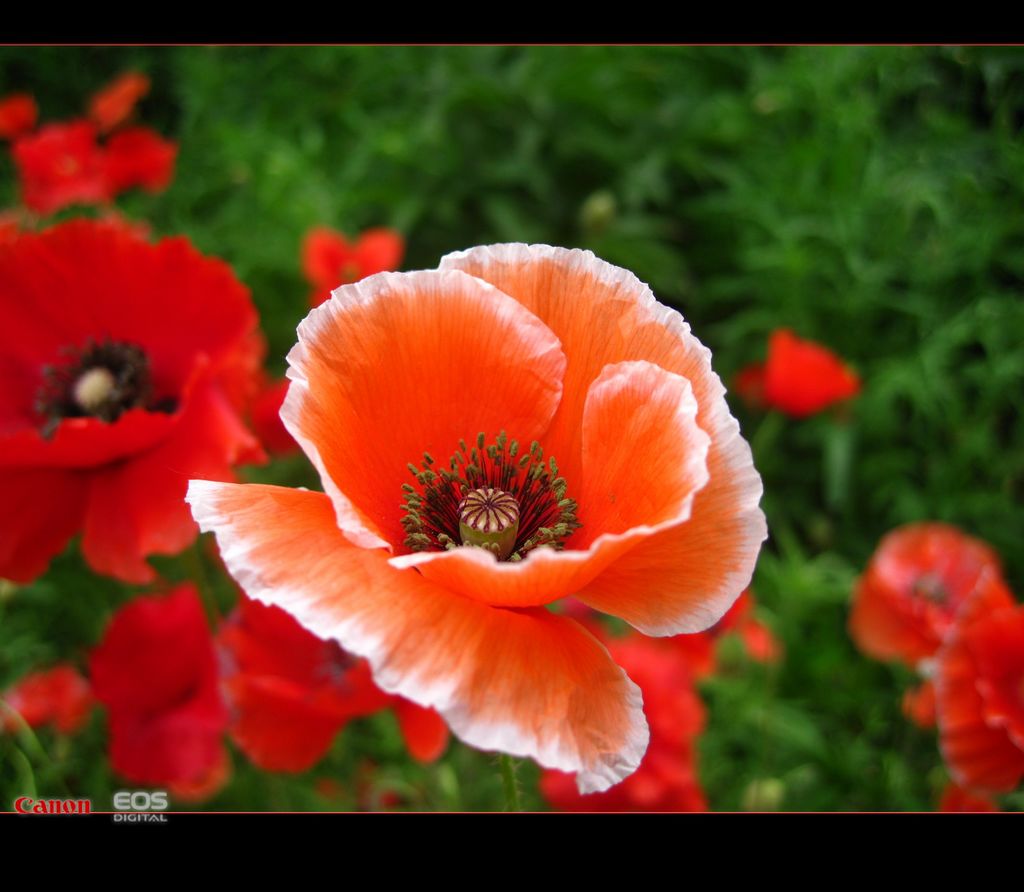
100	380
434	508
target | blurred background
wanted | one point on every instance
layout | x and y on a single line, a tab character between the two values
869	199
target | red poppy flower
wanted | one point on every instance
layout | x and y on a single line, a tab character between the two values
979	685
265	412
800	377
919	705
57	696
61	164
10	225
291	692
957	799
139	157
124	364
749	384
116	101
917	581
18	113
667	778
650	512
156	672
760	643
330	260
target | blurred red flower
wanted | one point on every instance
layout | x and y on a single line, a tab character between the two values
116	101
917	581
979	685
957	799
291	692
125	366
138	156
919	704
265	413
330	260
59	696
156	672
667	777
10	225
18	113
61	164
800	378
760	642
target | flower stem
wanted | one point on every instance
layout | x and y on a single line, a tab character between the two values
197	567
508	779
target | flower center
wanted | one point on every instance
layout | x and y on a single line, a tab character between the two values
100	381
491	497
931	588
489	518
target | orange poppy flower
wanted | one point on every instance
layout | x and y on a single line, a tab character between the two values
979	687
638	495
918	580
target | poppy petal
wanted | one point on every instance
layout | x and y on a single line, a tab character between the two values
276	726
42	511
424	731
399	364
324	253
682	579
980	756
379	250
137	509
622	500
526	682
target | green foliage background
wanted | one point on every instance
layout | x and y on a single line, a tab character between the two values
869	198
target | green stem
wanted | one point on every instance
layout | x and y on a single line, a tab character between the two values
508	779
197	569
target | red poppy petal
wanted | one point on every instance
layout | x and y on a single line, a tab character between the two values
59	695
42	510
277	726
137	508
324	254
106	267
957	799
61	164
266	419
425	733
139	156
802	377
18	113
919	705
116	101
87	442
406	363
378	251
980	756
996	642
526	682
